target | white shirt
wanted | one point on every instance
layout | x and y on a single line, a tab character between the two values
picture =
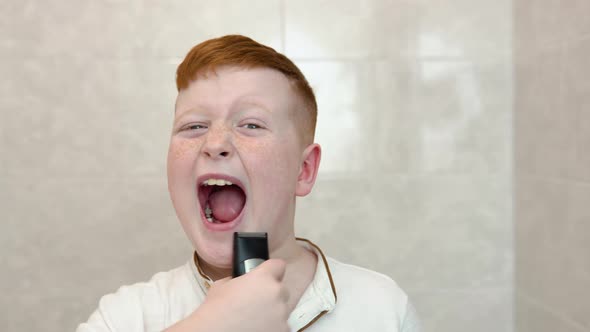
341	297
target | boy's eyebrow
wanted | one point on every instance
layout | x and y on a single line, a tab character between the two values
185	113
244	100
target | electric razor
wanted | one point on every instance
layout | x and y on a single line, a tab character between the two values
250	250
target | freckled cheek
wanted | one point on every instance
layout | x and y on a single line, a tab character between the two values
272	163
182	152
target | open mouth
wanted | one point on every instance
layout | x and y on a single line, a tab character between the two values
221	200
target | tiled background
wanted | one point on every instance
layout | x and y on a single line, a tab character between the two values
552	173
416	107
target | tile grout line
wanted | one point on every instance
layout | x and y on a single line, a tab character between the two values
554	313
553	179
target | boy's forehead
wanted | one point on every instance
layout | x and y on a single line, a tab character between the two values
264	87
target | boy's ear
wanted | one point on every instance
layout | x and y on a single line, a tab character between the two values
308	169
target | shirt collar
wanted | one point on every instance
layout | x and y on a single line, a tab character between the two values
319	297
203	280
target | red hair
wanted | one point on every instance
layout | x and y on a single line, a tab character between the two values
241	51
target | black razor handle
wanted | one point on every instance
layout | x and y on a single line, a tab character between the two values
250	250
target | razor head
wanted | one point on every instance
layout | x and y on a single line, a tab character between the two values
250	250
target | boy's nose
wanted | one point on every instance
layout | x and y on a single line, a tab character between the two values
215	154
217	144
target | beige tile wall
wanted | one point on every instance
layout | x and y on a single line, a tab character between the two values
552	144
415	120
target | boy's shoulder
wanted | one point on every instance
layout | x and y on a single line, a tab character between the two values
138	304
170	282
366	300
160	285
363	285
349	273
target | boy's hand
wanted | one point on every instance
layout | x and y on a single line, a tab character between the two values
256	301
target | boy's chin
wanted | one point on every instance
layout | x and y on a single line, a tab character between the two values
216	256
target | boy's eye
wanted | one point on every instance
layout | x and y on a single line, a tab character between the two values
195	127
251	126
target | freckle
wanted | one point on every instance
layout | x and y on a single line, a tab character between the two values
180	149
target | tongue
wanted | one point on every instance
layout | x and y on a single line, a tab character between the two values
226	203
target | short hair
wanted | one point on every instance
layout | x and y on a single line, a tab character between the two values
241	51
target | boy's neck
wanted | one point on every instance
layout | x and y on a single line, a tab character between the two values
292	253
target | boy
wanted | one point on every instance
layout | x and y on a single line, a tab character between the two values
240	153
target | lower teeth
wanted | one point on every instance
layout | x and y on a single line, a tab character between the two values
208	213
209	217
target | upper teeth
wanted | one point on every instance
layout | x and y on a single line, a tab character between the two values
216	182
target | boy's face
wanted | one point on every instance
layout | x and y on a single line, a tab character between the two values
236	125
